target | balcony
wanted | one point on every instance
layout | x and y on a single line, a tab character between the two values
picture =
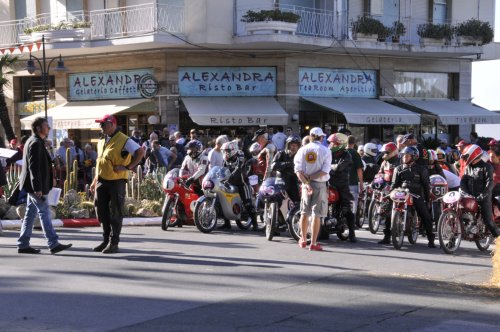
334	31
114	23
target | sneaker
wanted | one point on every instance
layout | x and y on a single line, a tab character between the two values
28	250
302	243
315	247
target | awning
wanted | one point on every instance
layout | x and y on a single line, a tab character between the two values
235	111
82	114
454	112
367	111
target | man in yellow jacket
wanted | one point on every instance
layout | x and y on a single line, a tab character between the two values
117	154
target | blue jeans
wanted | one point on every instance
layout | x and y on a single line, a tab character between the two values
355	194
34	205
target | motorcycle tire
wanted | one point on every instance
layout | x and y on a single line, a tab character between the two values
484	243
205	217
168	210
360	214
397	230
373	220
413	228
294	226
245	222
343	235
271	219
449	232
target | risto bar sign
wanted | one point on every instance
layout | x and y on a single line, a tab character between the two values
324	82
121	84
227	81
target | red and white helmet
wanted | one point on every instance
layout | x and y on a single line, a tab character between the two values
433	157
472	153
389	151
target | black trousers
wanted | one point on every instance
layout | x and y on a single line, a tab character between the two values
109	202
423	212
487	213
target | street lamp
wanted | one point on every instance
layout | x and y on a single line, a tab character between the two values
44	68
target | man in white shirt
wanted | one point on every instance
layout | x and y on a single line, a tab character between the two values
215	157
279	140
312	166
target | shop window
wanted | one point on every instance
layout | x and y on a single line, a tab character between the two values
423	85
32	88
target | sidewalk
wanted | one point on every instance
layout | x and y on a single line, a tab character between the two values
90	222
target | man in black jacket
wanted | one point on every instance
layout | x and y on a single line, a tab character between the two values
416	178
478	182
283	163
36	179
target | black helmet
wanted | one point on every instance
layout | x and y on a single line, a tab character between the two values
292	139
194	148
412	151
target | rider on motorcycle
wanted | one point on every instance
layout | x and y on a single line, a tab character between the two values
266	155
478	181
416	178
339	177
196	165
234	160
283	163
371	167
434	167
390	162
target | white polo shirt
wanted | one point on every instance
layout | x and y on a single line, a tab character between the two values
312	158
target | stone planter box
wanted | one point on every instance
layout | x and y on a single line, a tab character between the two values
373	37
271	27
432	41
62	35
469	40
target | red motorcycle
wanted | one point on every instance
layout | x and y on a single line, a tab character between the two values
439	188
179	199
462	220
405	220
380	197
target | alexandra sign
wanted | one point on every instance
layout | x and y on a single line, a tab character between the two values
227	81
324	82
121	84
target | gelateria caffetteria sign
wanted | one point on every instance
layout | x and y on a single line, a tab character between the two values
324	82
227	81
122	84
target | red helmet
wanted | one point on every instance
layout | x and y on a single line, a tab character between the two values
493	142
471	153
389	151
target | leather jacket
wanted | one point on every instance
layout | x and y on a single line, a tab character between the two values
341	166
387	168
283	163
414	177
371	168
478	180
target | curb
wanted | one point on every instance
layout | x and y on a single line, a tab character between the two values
92	222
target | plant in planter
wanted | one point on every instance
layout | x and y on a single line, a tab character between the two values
270	20
397	30
474	32
74	29
369	27
440	33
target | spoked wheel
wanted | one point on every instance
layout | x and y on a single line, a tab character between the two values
397	230
294	226
343	233
169	213
271	219
484	243
360	213
246	221
414	225
449	232
205	216
374	217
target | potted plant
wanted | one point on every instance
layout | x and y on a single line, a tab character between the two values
270	21
74	30
397	30
474	32
434	34
369	28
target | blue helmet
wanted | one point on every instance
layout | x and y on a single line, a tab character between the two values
412	151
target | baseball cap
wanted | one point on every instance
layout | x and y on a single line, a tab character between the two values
407	137
107	118
261	131
317	131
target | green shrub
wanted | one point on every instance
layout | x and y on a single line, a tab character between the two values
476	29
270	15
436	31
369	25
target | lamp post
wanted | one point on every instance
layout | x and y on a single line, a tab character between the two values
44	68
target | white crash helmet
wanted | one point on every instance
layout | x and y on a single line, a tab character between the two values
370	149
254	149
361	148
229	149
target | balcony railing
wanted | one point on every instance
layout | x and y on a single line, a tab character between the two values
105	24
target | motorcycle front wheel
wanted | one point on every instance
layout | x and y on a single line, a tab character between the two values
205	216
360	213
449	232
397	230
245	222
373	217
168	212
271	219
413	229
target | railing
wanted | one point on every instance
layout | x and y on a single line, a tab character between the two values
105	24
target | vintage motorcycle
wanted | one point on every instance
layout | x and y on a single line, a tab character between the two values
404	219
462	220
221	200
277	205
364	200
179	199
380	196
439	188
334	223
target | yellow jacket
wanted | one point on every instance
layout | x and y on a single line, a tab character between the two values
110	155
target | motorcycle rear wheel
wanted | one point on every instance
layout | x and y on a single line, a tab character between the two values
168	211
397	231
373	218
413	230
294	226
449	232
484	243
205	216
271	219
245	222
360	213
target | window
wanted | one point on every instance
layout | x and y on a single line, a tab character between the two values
32	88
439	12
377	7
423	85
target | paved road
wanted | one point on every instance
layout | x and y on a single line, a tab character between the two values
185	280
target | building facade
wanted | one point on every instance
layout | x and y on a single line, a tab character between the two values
220	74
